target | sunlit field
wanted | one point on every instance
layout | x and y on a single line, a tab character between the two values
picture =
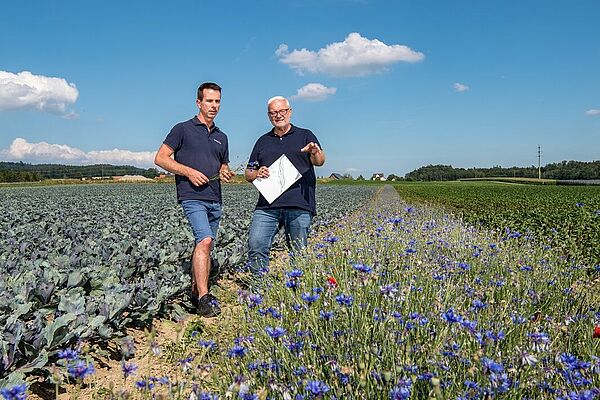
392	299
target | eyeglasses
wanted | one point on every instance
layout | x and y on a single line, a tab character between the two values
281	113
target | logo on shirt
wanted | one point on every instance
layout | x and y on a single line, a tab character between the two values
217	141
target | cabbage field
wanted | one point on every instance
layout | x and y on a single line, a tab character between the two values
83	261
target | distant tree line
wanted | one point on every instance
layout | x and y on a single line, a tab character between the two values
560	171
19	176
24	172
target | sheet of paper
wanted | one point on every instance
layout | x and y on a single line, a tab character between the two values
282	174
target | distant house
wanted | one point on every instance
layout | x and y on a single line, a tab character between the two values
336	176
378	176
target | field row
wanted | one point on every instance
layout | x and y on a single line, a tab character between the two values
564	217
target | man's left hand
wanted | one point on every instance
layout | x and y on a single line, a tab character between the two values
311	148
225	174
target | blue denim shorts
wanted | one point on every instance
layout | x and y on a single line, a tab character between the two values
203	216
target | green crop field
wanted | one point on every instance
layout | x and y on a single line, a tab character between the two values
392	299
564	217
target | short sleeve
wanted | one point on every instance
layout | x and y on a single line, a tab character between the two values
174	138
310	137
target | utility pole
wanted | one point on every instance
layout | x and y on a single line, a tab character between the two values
539	162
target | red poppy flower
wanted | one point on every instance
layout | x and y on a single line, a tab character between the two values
331	281
597	332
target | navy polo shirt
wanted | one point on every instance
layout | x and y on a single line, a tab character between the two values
269	147
196	147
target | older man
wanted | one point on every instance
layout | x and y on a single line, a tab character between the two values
201	157
294	209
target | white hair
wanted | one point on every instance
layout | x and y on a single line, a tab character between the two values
272	99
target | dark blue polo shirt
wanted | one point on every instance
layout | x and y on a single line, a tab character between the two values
194	146
269	147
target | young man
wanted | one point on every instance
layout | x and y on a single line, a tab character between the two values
295	208
201	157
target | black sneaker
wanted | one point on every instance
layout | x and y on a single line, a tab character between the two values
208	306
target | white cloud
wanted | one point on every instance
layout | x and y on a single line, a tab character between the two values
460	87
355	56
592	111
27	91
314	92
42	152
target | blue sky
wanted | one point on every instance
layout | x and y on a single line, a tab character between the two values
387	86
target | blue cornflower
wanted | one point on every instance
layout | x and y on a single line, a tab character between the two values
144	385
186	363
68	354
208	344
254	300
207	396
317	388
291	284
318	290
451	317
540	340
478	304
326	315
464	266
241	339
164	380
128	368
295	273
471	385
362	268
580	204
583	395
517	319
276	332
492	366
275	313
300	371
331	239
402	390
16	392
81	369
344	300
309	298
237	351
388	290
295	347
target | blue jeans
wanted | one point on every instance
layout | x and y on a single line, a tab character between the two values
266	224
204	217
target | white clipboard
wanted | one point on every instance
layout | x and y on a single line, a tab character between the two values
282	175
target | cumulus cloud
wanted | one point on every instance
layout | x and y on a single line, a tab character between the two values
27	91
460	87
592	111
355	56
42	152
314	92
